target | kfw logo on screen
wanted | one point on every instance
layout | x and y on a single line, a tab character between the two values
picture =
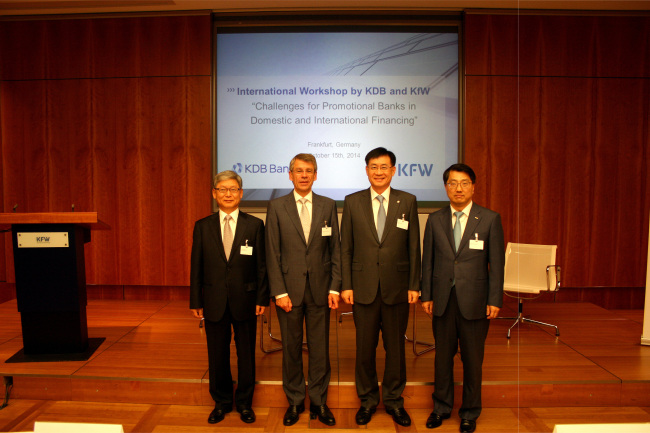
411	170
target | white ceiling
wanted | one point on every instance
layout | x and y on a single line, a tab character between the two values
40	7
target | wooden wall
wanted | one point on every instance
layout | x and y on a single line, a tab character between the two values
557	128
113	115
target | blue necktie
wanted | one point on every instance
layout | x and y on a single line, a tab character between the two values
457	230
381	216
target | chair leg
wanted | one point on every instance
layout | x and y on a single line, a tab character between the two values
345	313
557	330
520	318
428	346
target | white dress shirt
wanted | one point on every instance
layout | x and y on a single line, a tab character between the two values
463	218
375	203
233	221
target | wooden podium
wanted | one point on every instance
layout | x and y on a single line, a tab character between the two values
51	282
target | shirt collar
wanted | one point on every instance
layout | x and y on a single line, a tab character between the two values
234	214
374	194
298	197
466	210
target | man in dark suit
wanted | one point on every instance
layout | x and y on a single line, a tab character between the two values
229	287
380	251
304	256
462	285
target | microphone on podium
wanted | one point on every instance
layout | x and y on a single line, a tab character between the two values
15	207
72	207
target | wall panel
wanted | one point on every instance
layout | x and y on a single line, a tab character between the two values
111	115
557	45
564	160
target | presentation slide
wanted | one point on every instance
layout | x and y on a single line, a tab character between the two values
337	95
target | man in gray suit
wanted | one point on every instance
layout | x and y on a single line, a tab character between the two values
304	267
462	285
380	250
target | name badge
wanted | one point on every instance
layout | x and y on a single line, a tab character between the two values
475	244
327	231
402	223
245	250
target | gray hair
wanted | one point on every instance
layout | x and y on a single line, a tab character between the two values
226	175
306	157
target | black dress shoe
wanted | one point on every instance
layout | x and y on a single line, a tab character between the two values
246	414
467	425
364	415
435	420
400	416
323	414
218	414
292	414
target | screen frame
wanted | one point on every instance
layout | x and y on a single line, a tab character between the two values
384	21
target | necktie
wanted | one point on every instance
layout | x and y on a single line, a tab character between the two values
381	216
227	236
457	230
304	218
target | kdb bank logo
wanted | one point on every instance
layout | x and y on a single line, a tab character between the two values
260	168
412	170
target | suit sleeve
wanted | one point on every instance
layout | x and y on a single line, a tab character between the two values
414	248
273	252
262	277
347	246
196	269
427	262
335	251
497	259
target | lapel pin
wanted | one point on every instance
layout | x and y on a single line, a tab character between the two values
475	217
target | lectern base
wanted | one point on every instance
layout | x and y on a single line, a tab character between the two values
93	344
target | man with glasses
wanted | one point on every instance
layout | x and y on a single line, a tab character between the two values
304	265
462	286
380	250
228	288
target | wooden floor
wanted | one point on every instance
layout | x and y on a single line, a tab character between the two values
150	374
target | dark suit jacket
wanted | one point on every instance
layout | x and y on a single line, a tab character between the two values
240	281
290	257
478	273
393	261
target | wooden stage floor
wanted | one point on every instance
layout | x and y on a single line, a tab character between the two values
155	354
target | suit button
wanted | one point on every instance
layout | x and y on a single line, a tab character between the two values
455	262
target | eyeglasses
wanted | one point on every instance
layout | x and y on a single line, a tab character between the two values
464	184
224	191
379	167
300	171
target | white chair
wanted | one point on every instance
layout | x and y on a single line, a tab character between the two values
530	271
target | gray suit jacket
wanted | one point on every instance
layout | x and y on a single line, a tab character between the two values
393	261
478	272
290	256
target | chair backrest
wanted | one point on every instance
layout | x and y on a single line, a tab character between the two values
525	270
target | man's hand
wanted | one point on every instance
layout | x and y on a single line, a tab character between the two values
197	312
284	303
333	301
427	306
347	296
492	312
259	310
414	295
